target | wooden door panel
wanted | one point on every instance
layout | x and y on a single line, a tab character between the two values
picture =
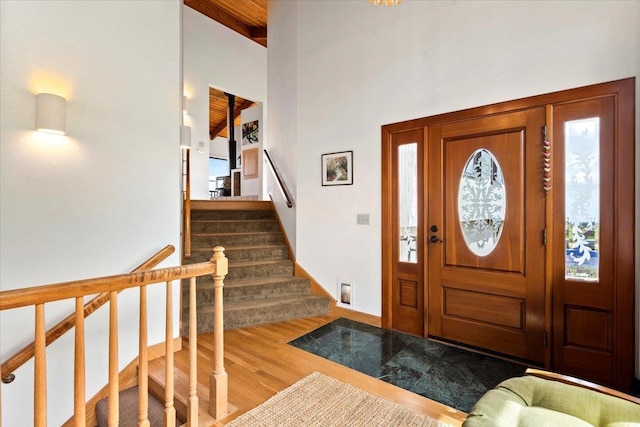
496	338
508	149
492	300
485	308
513	285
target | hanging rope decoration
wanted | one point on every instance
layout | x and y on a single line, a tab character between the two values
546	177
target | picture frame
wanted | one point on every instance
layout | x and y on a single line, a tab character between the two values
337	168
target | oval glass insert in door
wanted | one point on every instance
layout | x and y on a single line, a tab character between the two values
482	202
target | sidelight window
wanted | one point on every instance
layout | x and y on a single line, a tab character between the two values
582	199
408	201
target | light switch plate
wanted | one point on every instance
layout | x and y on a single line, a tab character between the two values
362	219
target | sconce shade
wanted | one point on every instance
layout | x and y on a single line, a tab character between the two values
185	137
51	114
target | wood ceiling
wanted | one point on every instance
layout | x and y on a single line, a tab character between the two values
246	17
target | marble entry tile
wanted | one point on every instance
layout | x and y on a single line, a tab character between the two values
447	374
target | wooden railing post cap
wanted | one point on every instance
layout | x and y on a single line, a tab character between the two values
221	261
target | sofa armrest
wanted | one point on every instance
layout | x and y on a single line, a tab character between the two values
581	383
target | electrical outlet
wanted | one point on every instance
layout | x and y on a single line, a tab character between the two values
362	219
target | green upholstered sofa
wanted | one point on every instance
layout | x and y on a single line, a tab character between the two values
531	401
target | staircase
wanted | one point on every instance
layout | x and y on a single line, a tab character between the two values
261	286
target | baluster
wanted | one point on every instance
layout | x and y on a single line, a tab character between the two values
40	378
192	404
79	411
143	363
114	383
169	410
218	388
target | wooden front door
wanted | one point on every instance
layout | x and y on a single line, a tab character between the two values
486	255
407	236
490	281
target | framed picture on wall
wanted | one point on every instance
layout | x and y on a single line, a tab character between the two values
250	133
337	168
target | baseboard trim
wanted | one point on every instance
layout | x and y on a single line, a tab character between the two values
128	377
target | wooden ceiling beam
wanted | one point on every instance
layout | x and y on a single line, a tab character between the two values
259	34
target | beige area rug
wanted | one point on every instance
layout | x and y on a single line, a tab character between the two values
323	401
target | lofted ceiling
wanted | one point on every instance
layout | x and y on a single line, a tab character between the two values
246	17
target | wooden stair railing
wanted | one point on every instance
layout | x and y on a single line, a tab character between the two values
60	328
111	285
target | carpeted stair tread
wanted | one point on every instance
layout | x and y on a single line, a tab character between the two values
198	214
199	240
229	225
271	302
243	253
238	314
241	290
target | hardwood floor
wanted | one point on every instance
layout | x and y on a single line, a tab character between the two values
260	363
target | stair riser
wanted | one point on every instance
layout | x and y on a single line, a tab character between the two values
205	241
257	316
204	296
212	215
249	254
258	271
233	226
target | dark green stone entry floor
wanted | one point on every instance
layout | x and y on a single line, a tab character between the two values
447	374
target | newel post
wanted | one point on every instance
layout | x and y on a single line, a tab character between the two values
218	405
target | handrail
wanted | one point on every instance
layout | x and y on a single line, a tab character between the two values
60	328
38	296
187	207
281	185
16	298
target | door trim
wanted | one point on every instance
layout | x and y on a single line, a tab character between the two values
624	269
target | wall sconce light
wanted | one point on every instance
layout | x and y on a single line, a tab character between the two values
51	114
185	137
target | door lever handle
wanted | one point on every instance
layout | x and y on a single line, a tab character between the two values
435	239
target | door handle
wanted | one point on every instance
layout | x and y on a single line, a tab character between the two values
435	239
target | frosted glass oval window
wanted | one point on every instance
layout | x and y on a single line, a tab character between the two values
482	202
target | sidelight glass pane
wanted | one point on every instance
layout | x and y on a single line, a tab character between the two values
582	199
482	202
408	201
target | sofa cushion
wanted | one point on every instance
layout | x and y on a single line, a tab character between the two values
532	401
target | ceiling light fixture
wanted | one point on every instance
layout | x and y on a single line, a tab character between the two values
385	2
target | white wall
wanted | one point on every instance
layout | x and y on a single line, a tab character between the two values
219	57
100	200
346	68
282	111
